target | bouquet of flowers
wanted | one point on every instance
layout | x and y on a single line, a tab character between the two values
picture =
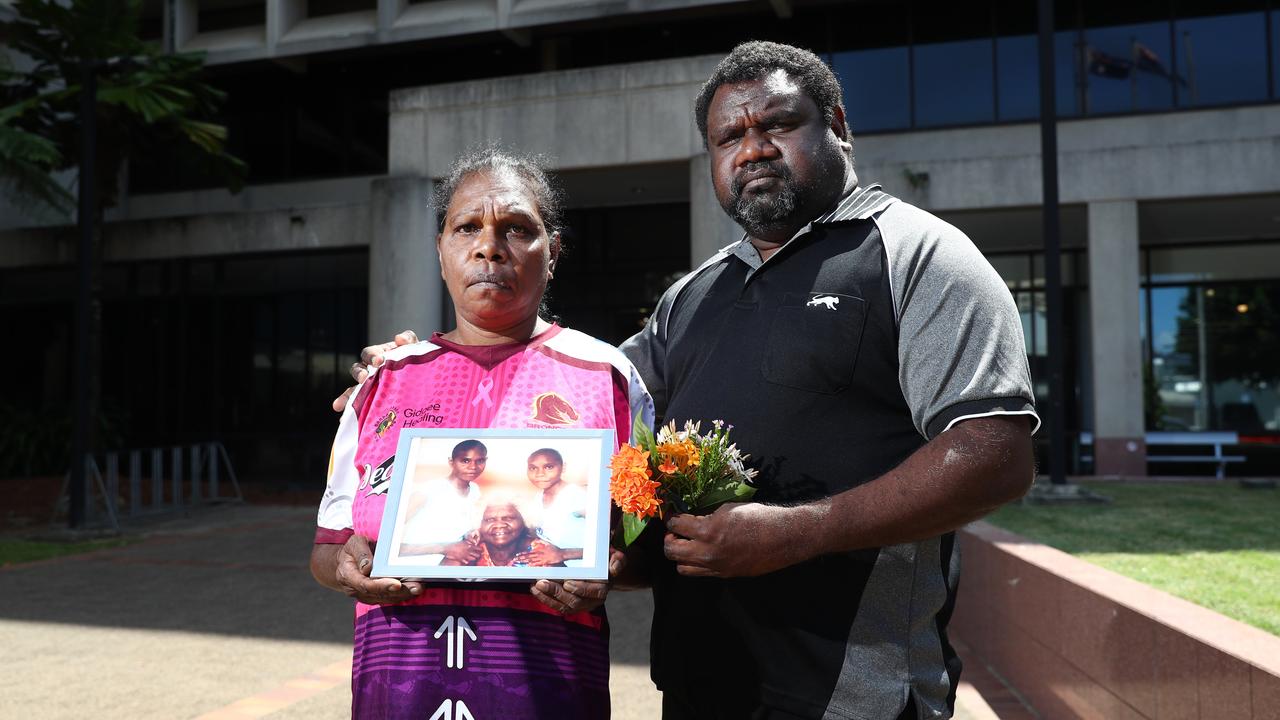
676	471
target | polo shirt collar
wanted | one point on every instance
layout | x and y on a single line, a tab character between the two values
859	204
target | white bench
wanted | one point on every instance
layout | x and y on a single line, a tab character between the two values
1215	439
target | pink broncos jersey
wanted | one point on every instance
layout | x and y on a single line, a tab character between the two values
520	658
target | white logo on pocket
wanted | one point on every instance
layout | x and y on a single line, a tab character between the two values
830	301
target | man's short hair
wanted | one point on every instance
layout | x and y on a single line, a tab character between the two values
757	59
461	448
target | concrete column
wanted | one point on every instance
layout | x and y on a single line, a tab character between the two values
1114	286
185	25
407	143
709	227
388	11
405	287
282	15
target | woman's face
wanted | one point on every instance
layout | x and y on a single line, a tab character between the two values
495	253
544	471
501	525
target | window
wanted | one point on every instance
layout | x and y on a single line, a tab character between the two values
1214	336
1275	54
1018	78
954	83
953	75
1127	68
875	84
216	15
1222	59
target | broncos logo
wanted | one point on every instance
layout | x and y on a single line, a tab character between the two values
551	409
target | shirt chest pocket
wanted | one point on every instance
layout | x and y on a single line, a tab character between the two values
813	341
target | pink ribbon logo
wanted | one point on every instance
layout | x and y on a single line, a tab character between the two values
482	393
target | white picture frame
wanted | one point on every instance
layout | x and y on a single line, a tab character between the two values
425	501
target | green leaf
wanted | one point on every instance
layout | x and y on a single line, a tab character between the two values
632	526
736	492
641	434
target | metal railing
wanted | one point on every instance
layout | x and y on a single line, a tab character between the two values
194	474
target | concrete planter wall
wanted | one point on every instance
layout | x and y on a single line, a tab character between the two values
1078	641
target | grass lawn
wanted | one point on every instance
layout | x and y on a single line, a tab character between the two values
1215	545
13	552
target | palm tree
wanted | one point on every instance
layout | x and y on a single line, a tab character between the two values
91	95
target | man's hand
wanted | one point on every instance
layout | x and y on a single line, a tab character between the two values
355	560
739	540
371	357
570	596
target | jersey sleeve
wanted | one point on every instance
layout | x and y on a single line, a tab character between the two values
647	353
639	401
334	522
960	343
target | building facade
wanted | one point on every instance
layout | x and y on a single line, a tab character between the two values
250	307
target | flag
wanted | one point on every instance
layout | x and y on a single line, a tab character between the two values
1146	60
1103	65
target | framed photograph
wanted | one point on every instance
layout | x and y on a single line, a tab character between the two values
486	504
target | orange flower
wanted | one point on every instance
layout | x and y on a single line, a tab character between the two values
684	454
630	485
667	467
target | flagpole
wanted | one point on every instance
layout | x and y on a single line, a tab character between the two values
1191	67
1052	245
1133	73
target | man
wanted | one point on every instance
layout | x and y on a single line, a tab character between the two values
872	363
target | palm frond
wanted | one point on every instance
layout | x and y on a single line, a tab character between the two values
27	162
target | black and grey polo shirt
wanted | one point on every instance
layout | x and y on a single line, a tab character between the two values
875	329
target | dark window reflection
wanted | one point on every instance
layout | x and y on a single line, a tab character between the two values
618	261
248	351
1068	72
953	83
1222	59
1275	54
1127	68
875	84
1213	350
1018	77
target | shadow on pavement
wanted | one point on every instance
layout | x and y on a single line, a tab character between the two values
233	570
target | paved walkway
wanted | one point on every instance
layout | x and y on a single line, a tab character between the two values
218	618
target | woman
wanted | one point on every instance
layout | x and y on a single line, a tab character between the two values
540	650
561	508
504	539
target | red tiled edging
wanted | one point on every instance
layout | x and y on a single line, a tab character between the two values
1078	641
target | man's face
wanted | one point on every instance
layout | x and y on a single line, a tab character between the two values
469	465
775	163
501	525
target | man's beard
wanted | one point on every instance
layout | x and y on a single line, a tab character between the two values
764	211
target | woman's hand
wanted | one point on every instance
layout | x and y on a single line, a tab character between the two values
355	560
571	596
541	555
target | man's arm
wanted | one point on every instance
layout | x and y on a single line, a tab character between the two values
959	476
